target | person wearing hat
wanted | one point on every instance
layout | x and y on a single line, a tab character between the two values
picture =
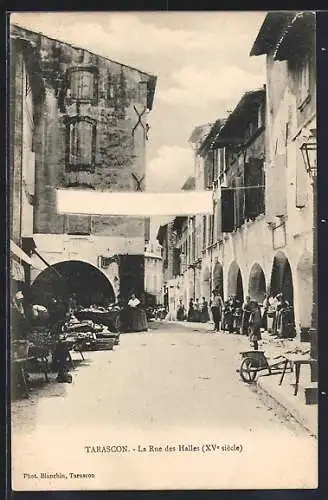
216	309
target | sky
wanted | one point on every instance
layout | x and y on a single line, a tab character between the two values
202	64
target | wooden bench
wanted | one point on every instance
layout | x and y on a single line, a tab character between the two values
297	362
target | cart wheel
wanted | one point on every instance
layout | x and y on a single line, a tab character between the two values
248	370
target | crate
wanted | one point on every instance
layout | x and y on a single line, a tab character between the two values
104	344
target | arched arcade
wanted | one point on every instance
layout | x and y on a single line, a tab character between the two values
256	283
63	279
235	282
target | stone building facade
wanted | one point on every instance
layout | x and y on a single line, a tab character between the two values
89	132
288	42
259	238
153	273
21	169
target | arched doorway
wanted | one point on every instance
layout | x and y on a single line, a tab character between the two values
304	289
218	278
64	279
206	285
281	278
256	283
235	282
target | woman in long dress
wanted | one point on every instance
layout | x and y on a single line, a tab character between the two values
255	323
205	317
191	312
138	315
197	311
180	311
246	314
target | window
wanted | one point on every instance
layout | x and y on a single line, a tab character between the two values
81	144
84	84
142	92
218	221
209	162
222	162
239	200
254	196
216	160
210	229
227	210
204	230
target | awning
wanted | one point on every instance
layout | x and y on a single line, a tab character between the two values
18	252
17	271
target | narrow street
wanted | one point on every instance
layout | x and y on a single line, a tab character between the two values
175	379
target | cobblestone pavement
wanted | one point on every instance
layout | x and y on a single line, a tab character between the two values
170	378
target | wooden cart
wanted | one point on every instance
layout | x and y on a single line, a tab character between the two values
254	362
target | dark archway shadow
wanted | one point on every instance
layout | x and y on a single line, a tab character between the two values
65	278
235	282
256	283
218	278
281	278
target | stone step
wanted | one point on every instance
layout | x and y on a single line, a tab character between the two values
311	395
307	392
307	388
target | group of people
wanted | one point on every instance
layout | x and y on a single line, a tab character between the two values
197	311
278	316
248	318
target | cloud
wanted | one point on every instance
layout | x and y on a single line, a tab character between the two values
117	34
195	86
170	168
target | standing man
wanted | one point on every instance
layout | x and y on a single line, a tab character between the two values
217	308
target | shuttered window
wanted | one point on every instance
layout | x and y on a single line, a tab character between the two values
254	196
302	181
276	189
239	201
204	231
81	144
176	261
83	84
221	161
218	221
227	210
210	229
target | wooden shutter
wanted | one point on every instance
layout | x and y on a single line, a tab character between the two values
276	189
83	84
239	201
227	210
176	261
204	231
254	197
302	182
218	221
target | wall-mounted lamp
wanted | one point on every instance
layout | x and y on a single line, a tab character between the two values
309	153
